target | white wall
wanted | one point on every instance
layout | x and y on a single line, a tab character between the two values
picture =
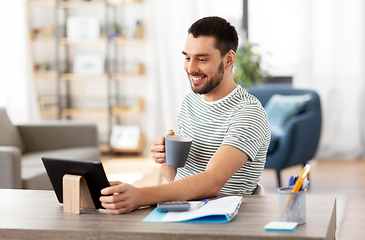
16	85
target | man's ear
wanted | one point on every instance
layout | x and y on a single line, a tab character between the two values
229	59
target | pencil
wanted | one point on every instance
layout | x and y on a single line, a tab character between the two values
296	187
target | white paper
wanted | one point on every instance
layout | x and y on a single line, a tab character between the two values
288	226
221	206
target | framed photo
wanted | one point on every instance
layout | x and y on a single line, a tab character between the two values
83	28
125	137
88	64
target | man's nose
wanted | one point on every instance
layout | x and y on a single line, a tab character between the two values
192	67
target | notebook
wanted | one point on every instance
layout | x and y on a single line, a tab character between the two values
215	211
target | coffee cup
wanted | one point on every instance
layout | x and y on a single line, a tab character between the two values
177	148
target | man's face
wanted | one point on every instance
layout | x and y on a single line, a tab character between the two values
203	64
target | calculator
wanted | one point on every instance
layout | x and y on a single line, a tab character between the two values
173	206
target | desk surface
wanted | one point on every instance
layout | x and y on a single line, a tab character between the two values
29	214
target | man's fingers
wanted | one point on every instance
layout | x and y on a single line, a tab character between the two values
113	201
158	141
113	189
170	132
158	144
118	211
113	183
160	160
120	198
159	155
158	147
117	207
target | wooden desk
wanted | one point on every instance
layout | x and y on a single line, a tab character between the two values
28	214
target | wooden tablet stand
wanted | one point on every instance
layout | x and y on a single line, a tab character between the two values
76	194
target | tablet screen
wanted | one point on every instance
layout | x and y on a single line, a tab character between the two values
92	171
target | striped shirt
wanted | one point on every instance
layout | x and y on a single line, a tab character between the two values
238	120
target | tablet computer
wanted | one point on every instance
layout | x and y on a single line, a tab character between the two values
92	171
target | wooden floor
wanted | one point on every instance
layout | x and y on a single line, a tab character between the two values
342	178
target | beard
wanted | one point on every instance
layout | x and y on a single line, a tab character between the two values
210	84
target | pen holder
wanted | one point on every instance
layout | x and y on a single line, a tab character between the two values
291	205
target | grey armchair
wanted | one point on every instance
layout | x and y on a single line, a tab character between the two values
22	146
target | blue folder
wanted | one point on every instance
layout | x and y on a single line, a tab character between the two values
156	216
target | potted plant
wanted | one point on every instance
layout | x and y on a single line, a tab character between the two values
247	68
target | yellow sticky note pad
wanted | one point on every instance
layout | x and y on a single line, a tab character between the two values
281	226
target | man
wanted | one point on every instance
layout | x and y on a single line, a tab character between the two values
228	126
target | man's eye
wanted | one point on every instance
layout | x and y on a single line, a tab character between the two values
202	59
187	59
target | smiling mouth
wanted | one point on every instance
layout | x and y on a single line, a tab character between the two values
197	80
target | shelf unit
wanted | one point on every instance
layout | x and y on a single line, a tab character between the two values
61	103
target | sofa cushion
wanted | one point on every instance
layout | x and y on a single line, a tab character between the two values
10	167
34	174
9	134
280	108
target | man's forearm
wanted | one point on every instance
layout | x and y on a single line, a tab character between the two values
168	172
183	189
201	185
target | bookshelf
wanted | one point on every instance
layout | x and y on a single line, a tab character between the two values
64	93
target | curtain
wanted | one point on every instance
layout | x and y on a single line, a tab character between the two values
332	62
167	26
17	92
321	44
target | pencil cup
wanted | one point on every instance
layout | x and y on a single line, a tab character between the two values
291	205
177	148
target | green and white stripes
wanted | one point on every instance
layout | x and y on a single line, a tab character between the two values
237	120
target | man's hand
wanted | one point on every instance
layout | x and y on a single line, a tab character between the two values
158	148
124	198
159	155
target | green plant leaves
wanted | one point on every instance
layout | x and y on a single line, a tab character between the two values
247	67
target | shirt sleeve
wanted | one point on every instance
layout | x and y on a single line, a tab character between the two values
248	130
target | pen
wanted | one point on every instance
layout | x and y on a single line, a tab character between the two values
305	184
296	178
201	204
291	181
297	186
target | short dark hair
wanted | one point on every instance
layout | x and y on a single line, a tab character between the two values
225	34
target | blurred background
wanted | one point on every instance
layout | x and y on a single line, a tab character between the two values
314	45
118	64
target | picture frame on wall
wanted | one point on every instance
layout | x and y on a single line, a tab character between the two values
83	28
125	137
88	64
